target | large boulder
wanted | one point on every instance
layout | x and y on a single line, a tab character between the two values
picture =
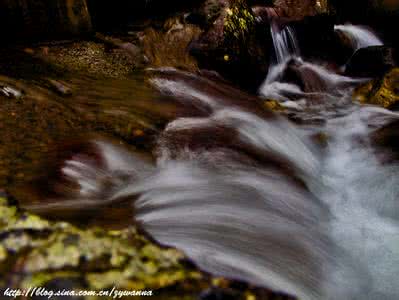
42	19
382	15
318	39
236	44
371	62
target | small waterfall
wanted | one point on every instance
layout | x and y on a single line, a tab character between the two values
285	48
304	77
284	41
360	36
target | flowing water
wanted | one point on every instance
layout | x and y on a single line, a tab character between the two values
359	36
249	195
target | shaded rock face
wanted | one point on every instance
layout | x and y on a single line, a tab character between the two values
372	61
354	10
236	45
208	12
386	140
360	10
119	13
318	40
383	92
43	19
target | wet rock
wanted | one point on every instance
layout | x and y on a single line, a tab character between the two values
43	19
383	92
387	141
305	77
382	16
59	87
371	62
42	253
59	255
236	45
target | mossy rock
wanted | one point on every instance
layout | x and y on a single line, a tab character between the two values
236	46
273	105
34	252
383	92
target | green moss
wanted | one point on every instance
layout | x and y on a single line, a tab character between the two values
273	105
43	251
383	92
3	253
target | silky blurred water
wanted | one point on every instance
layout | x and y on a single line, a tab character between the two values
306	208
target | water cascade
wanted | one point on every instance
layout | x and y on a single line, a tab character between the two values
251	196
284	42
360	36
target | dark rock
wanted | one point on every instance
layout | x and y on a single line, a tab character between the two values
382	16
371	62
260	2
388	137
385	141
236	45
43	19
306	77
218	294
303	77
318	40
351	11
117	14
360	11
208	12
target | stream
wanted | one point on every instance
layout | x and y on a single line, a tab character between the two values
300	202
